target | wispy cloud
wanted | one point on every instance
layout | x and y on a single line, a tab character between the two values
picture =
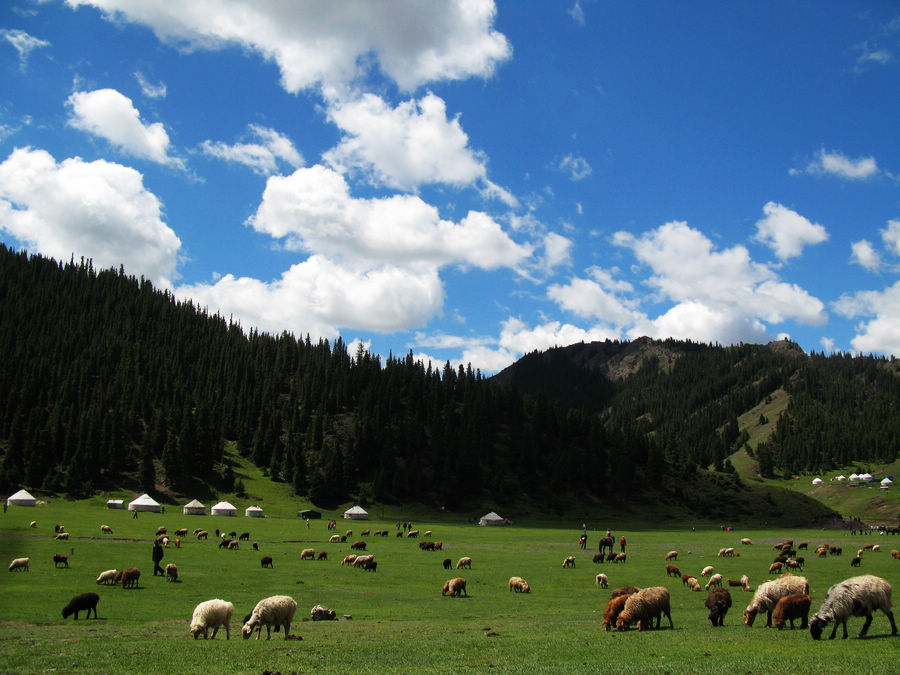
149	89
577	13
263	155
23	43
839	165
577	167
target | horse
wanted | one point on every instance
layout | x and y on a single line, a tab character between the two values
606	544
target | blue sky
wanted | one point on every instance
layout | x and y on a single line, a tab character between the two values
470	180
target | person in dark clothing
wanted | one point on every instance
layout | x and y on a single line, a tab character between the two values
157	556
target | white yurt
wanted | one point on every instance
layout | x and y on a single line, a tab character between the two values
886	483
491	519
854	477
254	512
21	498
356	513
866	476
817	481
193	508
223	509
841	478
115	503
144	503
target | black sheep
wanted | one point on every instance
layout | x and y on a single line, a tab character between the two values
718	602
81	602
448	564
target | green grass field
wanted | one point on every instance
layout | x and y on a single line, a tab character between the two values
400	622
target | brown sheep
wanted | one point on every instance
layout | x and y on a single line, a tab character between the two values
643	606
598	558
464	562
790	607
620	558
454	587
58	558
181	532
718	602
358	546
775	568
349	559
307	554
686	577
266	561
202	534
438	546
160	530
131	578
106	529
672	555
673	571
519	585
569	561
323	555
171	572
613	608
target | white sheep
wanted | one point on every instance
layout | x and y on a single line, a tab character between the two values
856	596
643	606
277	610
519	585
602	580
212	614
693	584
746	541
107	577
707	571
745	583
19	564
714	580
769	593
62	535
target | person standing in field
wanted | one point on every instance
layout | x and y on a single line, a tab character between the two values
157	556
622	543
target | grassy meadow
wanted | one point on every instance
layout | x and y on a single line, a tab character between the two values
400	622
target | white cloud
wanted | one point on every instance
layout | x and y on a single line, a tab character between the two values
597	298
718	295
333	43
149	89
828	345
786	232
891	236
865	255
98	210
312	209
323	298
577	13
23	43
881	333
577	167
836	164
110	115
263	156
557	250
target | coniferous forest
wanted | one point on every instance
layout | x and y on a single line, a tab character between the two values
106	382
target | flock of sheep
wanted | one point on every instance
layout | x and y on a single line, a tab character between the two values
784	599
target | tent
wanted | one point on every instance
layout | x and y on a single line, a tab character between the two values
356	513
309	513
144	503
254	512
817	481
115	504
866	476
491	519
887	482
193	508
854	477
842	477
21	498
223	509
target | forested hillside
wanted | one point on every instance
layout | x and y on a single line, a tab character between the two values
107	382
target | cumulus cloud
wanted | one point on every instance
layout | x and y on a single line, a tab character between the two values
879	332
865	255
577	167
786	232
23	43
837	164
312	210
98	210
262	156
149	89
403	147
891	236
702	323
599	297
112	116
334	43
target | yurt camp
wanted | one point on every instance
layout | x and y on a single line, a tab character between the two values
223	509
193	508
254	512
21	498
356	513
145	503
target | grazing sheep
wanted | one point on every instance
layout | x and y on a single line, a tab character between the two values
308	554
19	564
790	607
693	584
623	590
856	596
366	533
643	606
232	545
277	610
598	558
266	561
672	555
348	533
33	523
131	578
59	558
464	562
172	572
673	571
107	577
322	613
745	583
714	581
244	536
161	530
358	546
707	571
335	538
718	602
426	545
568	562
792	564
323	555
746	541
769	593
438	546
613	608
734	582
58	528
213	614
255	545
686	577
876	547
721	552
803	545
620	557
448	563
62	535
412	534
349	559
895	554
454	587
775	568
370	565
856	562
85	601
181	532
519	585
362	560
202	534
602	580
106	529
